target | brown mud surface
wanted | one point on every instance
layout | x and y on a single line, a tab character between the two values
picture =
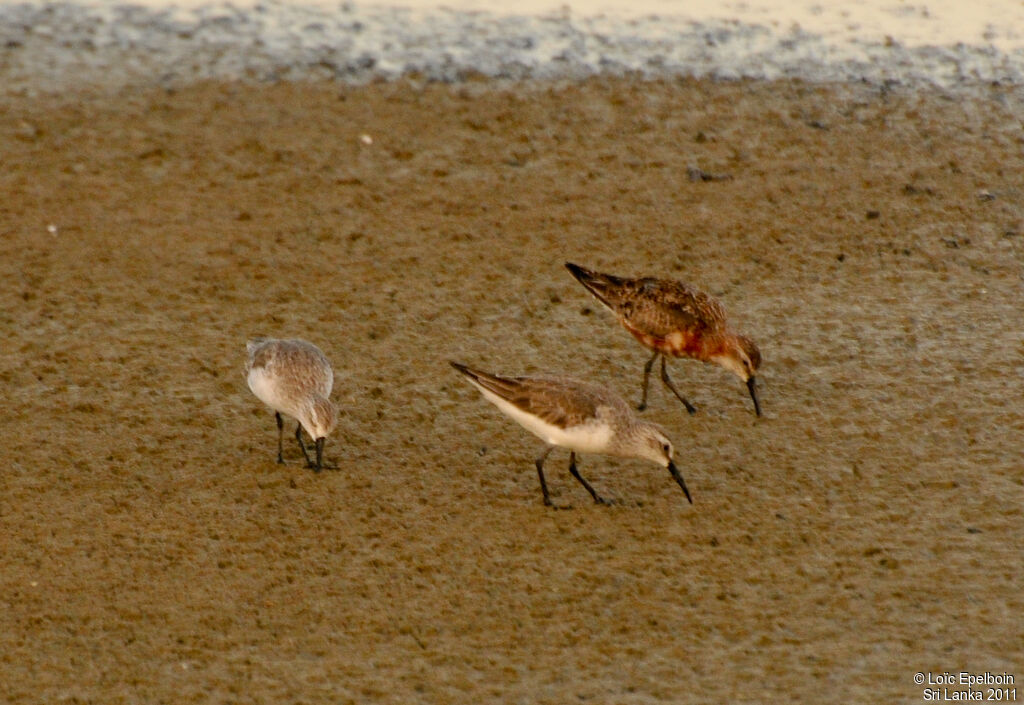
869	527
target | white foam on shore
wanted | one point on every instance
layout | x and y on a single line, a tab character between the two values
949	43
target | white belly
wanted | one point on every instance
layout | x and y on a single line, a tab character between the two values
266	390
589	438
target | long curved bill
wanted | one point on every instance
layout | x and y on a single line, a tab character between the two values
679	478
752	386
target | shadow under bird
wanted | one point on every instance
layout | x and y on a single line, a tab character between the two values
294	377
671	318
581	417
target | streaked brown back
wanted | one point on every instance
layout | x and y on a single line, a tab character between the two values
656	307
560	401
661	306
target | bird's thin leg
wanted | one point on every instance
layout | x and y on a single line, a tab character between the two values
575	473
540	474
319	453
647	376
668	383
298	437
280	435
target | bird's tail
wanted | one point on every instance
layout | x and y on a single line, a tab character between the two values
606	288
503	387
255	342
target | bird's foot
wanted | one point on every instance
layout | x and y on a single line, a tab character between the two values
325	466
549	503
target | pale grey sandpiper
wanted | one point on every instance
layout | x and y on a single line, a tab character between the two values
294	377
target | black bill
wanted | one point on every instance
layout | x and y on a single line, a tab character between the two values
679	478
752	386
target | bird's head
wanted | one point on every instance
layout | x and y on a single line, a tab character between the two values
740	355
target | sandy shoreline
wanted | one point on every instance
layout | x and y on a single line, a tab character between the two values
867	528
48	47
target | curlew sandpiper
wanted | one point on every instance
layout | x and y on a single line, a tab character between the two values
671	318
581	417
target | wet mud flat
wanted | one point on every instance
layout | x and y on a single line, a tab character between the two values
867	528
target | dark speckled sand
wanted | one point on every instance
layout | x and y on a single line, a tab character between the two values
869	527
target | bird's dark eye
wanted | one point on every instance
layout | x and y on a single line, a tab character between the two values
667	448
